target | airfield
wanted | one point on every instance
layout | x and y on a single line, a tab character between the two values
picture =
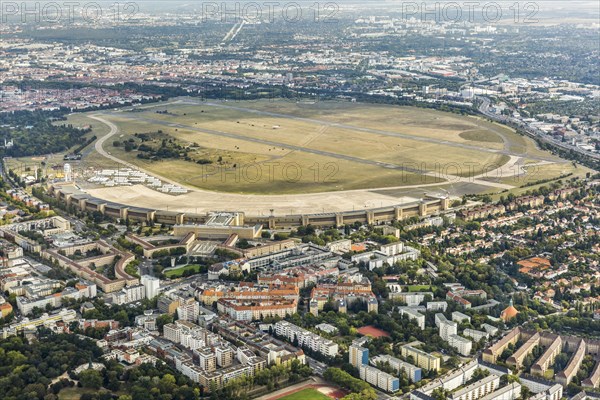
283	157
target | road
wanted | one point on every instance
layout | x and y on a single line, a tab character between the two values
99	147
484	108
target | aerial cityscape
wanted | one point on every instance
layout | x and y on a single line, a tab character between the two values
335	200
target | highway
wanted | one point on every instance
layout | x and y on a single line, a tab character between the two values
484	108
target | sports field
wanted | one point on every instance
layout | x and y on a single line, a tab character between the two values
279	147
372	331
306	394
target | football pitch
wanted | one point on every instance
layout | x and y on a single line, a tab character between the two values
306	394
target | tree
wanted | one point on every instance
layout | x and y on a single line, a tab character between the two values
167	383
90	379
367	394
440	394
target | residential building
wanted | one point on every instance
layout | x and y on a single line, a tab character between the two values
151	285
421	358
306	339
413	372
477	389
358	355
380	379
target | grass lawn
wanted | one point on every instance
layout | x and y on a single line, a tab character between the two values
74	393
418	288
177	272
306	394
549	374
480	136
307	148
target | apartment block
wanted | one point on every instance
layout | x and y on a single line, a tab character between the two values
566	376
306	338
511	391
547	359
380	379
477	389
492	353
413	372
516	360
593	380
224	355
462	345
475	334
421	358
257	310
447	329
551	393
437	306
358	355
460	317
207	360
413	314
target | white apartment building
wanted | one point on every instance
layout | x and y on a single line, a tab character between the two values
306	338
437	306
172	333
224	355
414	315
188	310
185	333
234	372
413	372
151	285
192	340
475	334
129	294
477	389
462	345
206	359
378	378
446	328
44	296
412	299
511	391
460	317
492	330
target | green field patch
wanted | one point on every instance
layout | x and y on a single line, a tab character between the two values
419	288
306	394
281	147
178	272
480	135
